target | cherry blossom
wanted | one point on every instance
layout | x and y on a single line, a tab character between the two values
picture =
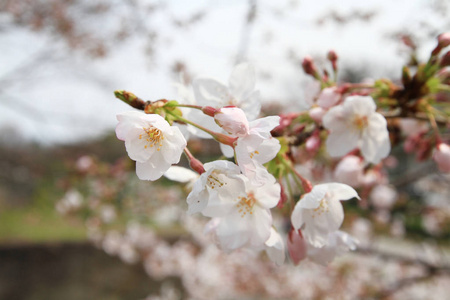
255	145
350	171
240	91
220	182
320	212
245	220
356	124
151	142
328	98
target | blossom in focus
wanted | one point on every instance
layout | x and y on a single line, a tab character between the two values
255	145
356	124
151	142
442	157
244	220
338	243
220	182
320	212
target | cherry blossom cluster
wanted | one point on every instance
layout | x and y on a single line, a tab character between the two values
353	127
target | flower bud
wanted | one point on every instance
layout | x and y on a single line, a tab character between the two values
297	246
444	39
332	57
209	110
232	120
442	157
309	67
317	113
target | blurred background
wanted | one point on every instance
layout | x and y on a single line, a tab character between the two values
66	183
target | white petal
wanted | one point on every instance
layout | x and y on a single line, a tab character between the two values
340	143
375	140
265	125
242	80
359	105
180	174
251	105
227	151
275	247
335	119
211	92
173	145
152	169
268	195
340	191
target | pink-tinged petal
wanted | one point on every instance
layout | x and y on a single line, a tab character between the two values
242	80
340	191
152	169
328	98
180	174
275	247
173	146
251	105
211	92
233	121
359	105
340	143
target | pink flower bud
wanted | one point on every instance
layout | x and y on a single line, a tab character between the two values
297	246
232	120
328	98
313	143
309	66
444	39
209	110
317	113
442	157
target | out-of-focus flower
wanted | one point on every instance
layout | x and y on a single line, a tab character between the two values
410	127
383	196
108	213
220	182
71	201
181	174
275	247
151	142
320	212
350	171
317	113
442	157
240	91
356	124
338	243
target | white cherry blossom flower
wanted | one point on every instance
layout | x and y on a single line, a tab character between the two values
220	182
151	142
338	243
320	212
240	91
356	124
245	220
